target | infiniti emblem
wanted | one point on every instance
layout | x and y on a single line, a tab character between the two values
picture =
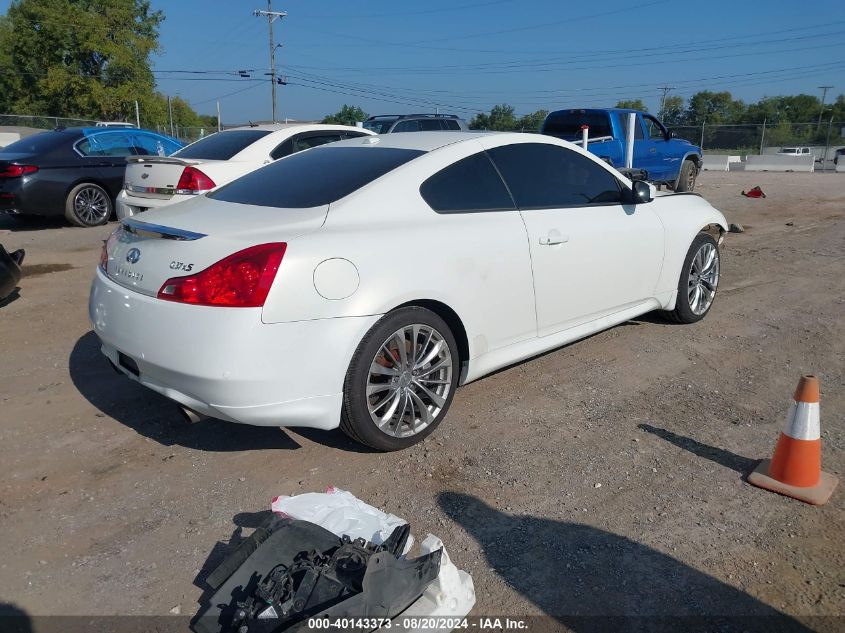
133	255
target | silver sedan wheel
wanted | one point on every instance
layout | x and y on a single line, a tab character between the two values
91	205
703	278
409	380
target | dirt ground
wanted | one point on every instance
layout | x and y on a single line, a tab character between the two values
604	478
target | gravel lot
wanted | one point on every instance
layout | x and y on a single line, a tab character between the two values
603	478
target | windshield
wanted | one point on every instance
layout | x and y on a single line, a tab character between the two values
379	127
567	123
37	143
314	177
222	145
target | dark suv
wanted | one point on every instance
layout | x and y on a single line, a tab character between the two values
389	123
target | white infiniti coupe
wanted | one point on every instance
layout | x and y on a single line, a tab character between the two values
359	283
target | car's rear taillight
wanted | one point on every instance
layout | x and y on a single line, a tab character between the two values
107	245
193	181
15	171
241	280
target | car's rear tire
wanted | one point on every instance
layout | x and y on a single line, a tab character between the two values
401	380
698	282
87	205
686	179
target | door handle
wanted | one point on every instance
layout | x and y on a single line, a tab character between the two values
554	237
652	150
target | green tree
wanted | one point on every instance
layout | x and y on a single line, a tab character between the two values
348	115
502	118
673	110
714	108
632	104
79	58
531	122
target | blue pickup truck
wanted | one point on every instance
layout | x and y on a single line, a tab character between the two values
666	160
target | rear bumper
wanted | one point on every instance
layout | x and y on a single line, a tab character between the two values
127	204
17	195
226	363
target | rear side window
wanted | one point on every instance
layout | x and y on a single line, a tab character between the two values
567	123
314	178
301	142
106	144
407	126
153	145
379	126
638	128
222	145
38	143
431	125
542	176
451	124
470	185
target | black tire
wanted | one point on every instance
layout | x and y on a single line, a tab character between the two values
684	312
686	179
356	420
88	205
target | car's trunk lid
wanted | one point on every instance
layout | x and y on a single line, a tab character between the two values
155	176
189	237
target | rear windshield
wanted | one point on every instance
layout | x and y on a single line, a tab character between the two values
314	177
567	124
380	126
38	143
222	145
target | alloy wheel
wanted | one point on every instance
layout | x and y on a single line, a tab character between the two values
703	278
91	205
409	380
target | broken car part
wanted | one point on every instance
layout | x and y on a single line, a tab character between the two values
295	570
10	270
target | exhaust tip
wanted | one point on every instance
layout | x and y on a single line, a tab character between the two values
191	416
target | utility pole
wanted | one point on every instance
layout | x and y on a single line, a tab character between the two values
824	90
665	89
271	16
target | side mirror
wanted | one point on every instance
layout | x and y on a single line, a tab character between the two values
672	134
640	193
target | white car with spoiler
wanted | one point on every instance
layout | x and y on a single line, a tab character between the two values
155	181
359	283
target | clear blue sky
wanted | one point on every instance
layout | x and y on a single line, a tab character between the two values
464	56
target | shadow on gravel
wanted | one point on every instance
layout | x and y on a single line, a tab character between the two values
654	318
333	439
15	223
14	619
590	580
742	465
154	416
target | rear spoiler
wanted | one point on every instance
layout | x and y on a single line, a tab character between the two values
171	160
147	229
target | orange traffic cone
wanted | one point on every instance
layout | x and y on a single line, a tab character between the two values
795	470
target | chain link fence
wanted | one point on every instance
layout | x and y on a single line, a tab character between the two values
35	122
42	122
823	139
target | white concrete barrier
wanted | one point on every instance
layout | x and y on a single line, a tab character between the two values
7	138
770	162
715	162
